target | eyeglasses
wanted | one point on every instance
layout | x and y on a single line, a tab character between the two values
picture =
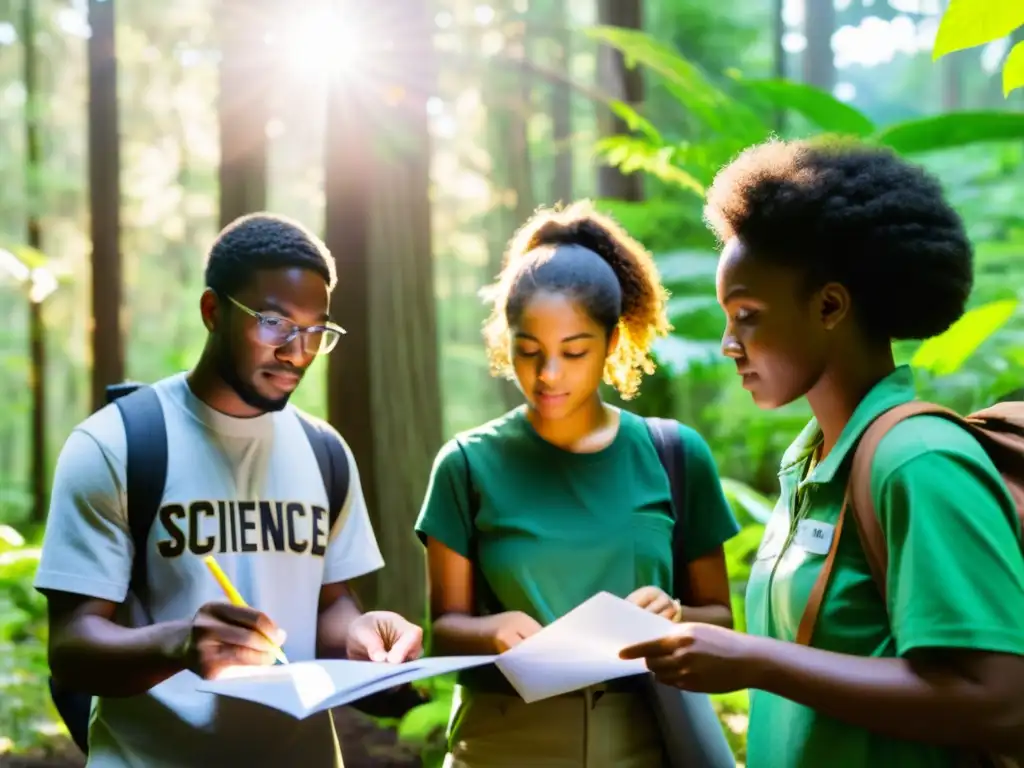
276	331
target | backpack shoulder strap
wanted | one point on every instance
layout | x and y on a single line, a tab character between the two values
145	471
861	502
861	505
668	442
331	459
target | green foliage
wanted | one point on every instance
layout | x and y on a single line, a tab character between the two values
968	23
26	717
952	131
824	111
424	727
739	103
684	80
735	114
1013	69
946	353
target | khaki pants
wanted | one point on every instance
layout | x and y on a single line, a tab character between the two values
592	728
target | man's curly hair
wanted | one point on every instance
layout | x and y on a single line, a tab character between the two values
855	214
264	241
641	318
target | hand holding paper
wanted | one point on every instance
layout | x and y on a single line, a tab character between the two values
384	636
580	649
512	628
699	657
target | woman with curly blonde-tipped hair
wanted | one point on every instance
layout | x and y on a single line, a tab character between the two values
531	514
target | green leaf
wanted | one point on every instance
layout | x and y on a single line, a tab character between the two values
30	257
749	500
10	538
687	266
681	306
967	23
635	121
821	108
951	131
17	261
631	154
678	353
945	353
710	104
1013	69
419	723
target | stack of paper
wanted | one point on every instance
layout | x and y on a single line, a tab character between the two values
577	650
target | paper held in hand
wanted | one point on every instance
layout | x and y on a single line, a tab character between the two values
577	650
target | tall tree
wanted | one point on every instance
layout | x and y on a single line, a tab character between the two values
383	392
104	202
621	83
509	100
819	67
561	104
778	32
243	105
34	231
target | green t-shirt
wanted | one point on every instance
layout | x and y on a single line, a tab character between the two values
552	527
956	575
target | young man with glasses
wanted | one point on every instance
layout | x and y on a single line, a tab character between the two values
242	484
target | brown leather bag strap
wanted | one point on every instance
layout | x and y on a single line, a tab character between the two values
859	489
858	499
814	600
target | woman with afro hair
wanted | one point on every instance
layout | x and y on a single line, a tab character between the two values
831	251
533	513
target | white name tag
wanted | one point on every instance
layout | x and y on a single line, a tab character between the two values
814	536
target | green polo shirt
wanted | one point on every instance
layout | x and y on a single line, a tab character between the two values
956	575
553	528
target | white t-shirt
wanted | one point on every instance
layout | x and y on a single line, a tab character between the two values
243	490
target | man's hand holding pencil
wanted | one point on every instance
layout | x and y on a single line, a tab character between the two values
225	635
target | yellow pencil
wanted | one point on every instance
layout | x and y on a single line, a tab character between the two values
236	599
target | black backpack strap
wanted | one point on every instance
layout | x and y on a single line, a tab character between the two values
145	476
145	471
668	442
332	461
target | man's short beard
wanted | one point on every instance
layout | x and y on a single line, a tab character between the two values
229	373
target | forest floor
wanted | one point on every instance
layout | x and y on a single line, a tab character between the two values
364	745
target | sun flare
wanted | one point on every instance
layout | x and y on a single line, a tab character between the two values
320	43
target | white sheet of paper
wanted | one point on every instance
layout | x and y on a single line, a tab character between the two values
303	688
581	648
578	650
412	671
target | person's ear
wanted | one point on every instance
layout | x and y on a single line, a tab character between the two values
209	308
834	305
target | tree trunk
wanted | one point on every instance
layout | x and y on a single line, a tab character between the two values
242	106
383	390
561	107
508	118
104	202
819	67
34	231
778	31
624	84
